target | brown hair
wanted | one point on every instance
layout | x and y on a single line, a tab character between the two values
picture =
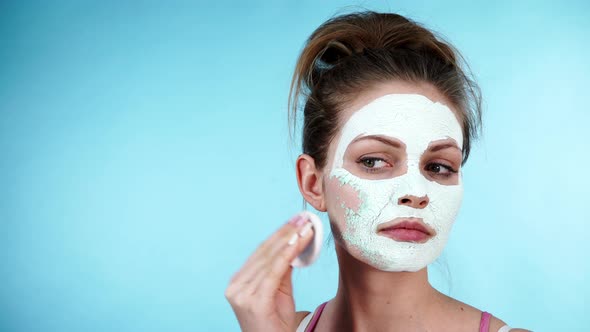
349	54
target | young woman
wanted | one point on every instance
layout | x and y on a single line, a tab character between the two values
389	116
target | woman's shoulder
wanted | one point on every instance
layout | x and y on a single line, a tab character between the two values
472	315
496	324
299	316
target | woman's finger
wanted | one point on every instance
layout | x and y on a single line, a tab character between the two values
267	281
289	242
266	251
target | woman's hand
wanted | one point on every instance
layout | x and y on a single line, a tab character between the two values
261	292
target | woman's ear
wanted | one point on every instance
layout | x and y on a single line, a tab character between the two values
309	179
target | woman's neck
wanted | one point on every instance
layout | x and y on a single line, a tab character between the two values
372	300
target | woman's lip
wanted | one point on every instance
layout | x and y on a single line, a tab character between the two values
406	230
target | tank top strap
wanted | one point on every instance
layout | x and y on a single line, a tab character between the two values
315	318
484	323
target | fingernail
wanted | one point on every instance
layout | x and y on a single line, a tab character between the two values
294	219
300	221
305	229
293	239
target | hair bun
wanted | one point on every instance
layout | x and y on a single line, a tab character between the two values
334	52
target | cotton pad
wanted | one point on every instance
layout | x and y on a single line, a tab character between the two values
312	251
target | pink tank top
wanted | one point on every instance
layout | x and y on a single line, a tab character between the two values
484	323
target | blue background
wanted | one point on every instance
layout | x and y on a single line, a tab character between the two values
145	154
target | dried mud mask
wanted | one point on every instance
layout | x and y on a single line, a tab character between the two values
366	204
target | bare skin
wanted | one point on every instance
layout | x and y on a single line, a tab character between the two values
407	303
261	292
367	299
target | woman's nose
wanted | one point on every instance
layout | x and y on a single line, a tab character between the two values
413	201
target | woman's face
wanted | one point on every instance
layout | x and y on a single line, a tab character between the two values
393	179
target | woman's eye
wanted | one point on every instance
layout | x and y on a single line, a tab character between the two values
440	169
373	164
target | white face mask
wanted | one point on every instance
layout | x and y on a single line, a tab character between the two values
417	122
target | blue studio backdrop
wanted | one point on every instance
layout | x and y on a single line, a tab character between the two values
145	154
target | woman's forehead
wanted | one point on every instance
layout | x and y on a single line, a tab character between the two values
405	117
413	119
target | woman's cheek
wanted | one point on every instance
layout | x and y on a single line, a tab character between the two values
344	198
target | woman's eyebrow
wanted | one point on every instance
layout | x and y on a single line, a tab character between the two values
391	142
443	146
